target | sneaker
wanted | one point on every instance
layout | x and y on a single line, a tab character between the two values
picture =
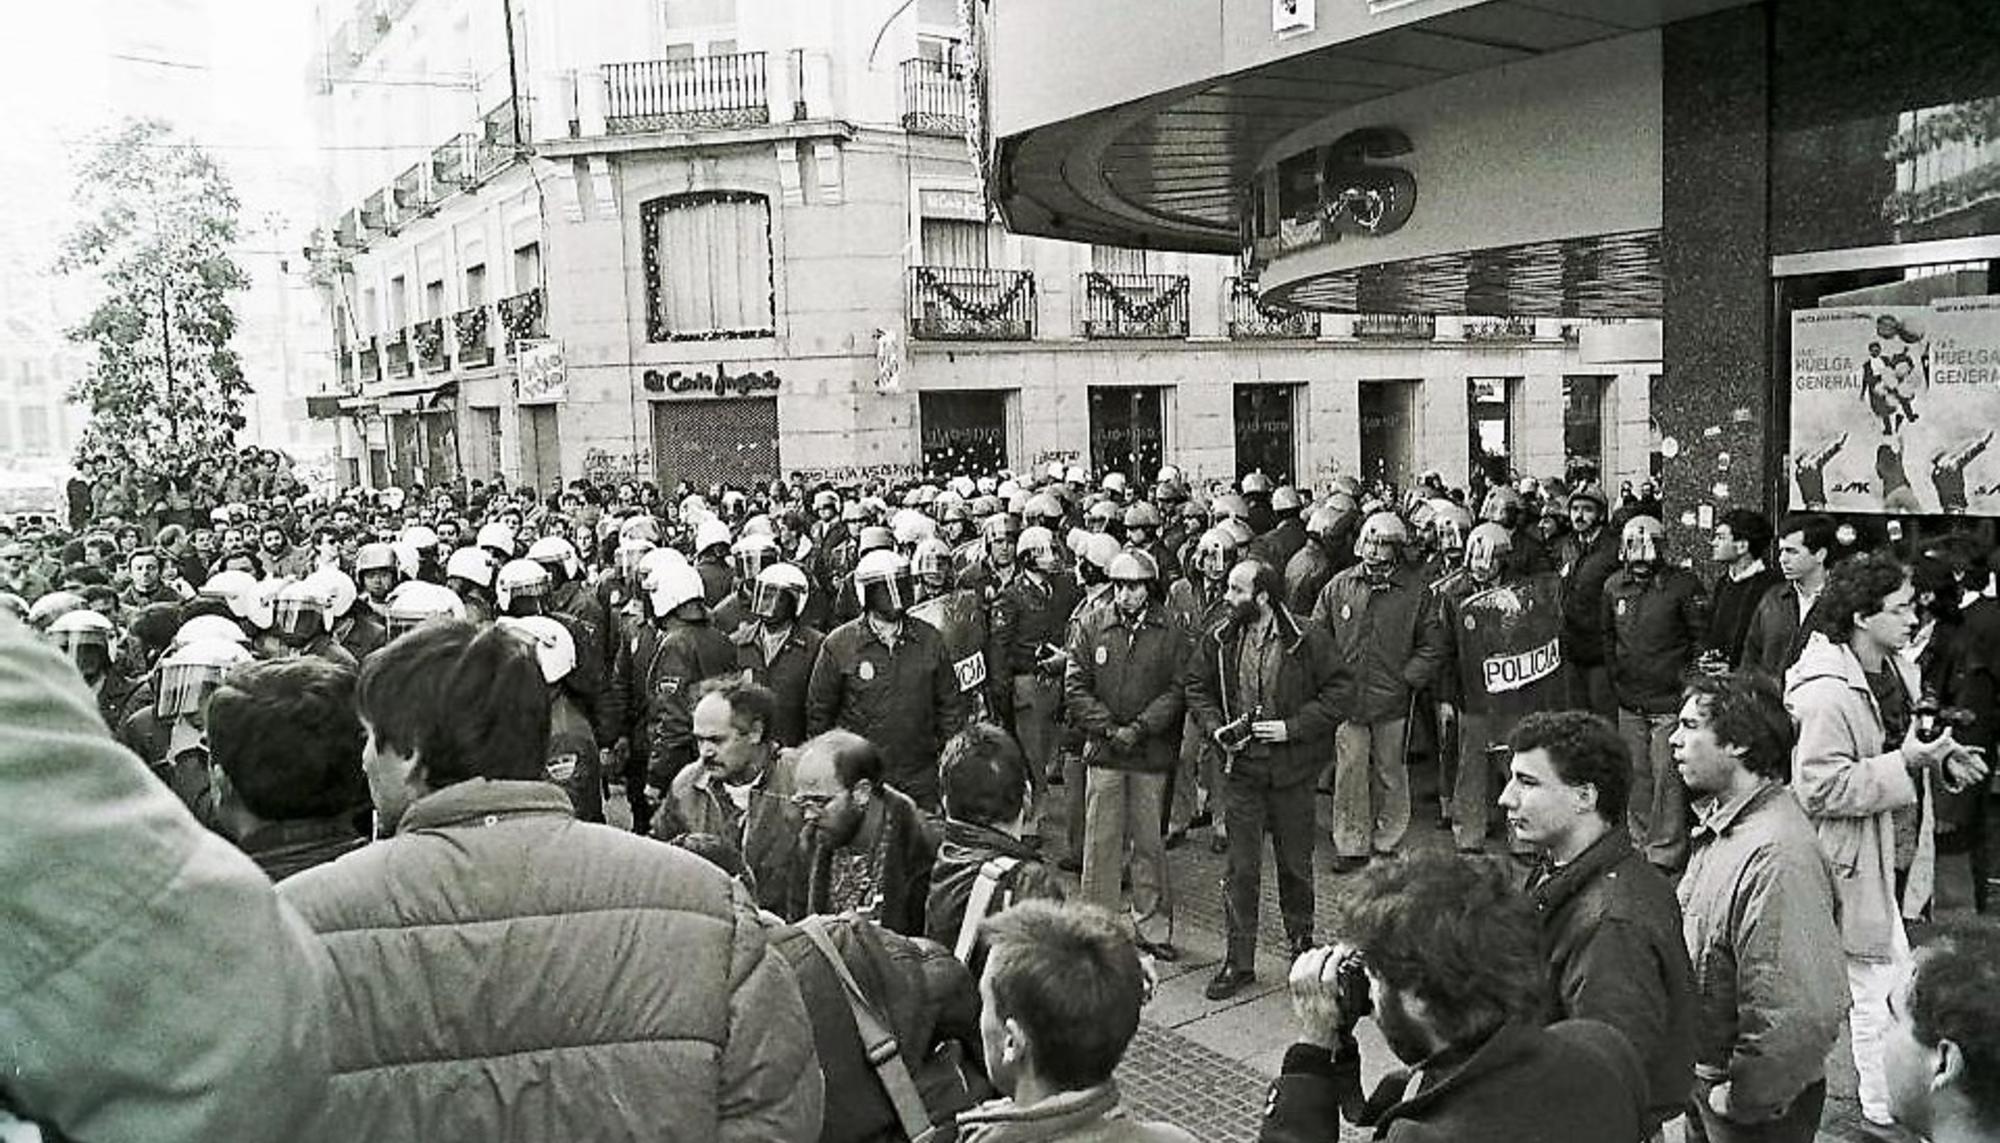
1229	980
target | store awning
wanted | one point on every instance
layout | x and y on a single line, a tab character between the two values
1108	157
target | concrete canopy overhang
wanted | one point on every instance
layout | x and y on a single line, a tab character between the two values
1168	168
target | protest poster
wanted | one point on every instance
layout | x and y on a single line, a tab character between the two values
1893	408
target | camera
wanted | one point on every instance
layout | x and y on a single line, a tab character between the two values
1930	720
1235	735
1351	989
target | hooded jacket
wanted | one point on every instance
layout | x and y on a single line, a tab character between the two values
1850	782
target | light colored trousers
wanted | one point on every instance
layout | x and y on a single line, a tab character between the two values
1371	787
1869	983
1121	831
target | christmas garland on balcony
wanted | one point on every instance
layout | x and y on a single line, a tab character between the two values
521	313
965	307
470	326
1144	314
429	338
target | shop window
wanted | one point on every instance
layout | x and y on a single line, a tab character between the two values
541	445
1584	427
1127	431
486	427
1389	431
1490	404
1267	431
708	266
964	432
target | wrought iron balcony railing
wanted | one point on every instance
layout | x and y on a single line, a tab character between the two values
521	316
1135	305
950	303
1396	327
934	100
1250	321
1499	329
706	92
469	332
428	338
396	354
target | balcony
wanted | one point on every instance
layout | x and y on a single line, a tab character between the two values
1509	329
412	192
676	95
1135	305
396	354
475	346
1396	327
1249	321
934	100
428	338
521	316
952	303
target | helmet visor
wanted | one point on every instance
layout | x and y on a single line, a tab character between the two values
751	561
774	602
890	595
295	617
1214	559
183	687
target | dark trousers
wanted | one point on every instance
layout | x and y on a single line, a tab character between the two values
1253	808
1799	1123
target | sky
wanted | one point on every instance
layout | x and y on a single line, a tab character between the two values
231	73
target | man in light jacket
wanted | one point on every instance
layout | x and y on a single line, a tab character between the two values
152	987
502	971
1865	779
1759	906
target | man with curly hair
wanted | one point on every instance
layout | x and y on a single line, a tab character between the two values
1942	1048
1445	955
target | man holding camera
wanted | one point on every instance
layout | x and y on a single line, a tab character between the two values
1444	955
1267	690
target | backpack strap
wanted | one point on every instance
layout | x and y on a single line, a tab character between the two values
878	1041
980	903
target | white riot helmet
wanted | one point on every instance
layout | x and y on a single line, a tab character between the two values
555	552
497	536
672	586
473	565
209	628
1643	542
1039	547
416	603
555	651
883	581
751	555
298	613
1382	538
1216	552
519	580
191	672
75	630
332	585
780	593
51	607
241	593
1486	549
631	555
710	533
419	537
911	527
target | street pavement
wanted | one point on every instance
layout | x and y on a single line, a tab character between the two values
1206	1065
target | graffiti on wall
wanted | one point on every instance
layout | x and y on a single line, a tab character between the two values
609	466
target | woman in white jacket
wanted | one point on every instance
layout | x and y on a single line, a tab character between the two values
1865	779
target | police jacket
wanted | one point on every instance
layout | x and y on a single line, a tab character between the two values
787	673
903	699
1653	629
1311	694
1126	672
1028	615
1387	636
1585	567
651	698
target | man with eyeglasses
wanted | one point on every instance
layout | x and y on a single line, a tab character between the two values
864	845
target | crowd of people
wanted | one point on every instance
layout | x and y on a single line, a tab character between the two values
861	733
